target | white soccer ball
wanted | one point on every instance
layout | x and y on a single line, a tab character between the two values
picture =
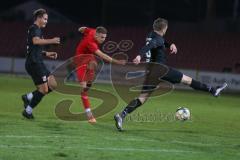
183	114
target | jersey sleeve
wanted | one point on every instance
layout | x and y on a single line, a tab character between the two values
93	47
154	43
167	45
35	32
87	30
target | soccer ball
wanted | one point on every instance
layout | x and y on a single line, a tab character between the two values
182	114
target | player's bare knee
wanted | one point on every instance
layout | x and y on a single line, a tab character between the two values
83	85
143	98
86	86
43	90
52	83
186	80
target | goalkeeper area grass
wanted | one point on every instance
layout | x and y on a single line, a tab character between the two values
151	132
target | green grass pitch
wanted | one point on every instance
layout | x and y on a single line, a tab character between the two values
213	133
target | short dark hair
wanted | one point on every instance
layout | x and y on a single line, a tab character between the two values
39	13
101	29
160	24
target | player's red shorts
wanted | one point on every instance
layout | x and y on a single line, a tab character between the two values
85	74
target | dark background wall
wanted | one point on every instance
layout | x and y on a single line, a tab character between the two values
206	32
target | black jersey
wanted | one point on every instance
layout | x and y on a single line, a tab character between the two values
154	50
34	52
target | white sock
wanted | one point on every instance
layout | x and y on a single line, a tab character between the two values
87	110
29	109
29	96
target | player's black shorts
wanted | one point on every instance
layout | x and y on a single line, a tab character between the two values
174	76
38	72
158	74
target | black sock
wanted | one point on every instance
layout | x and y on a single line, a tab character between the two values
201	86
37	97
134	104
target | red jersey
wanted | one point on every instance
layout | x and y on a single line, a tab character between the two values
87	47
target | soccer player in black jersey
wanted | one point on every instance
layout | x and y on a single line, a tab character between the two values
154	51
34	65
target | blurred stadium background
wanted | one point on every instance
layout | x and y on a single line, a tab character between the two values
207	35
206	32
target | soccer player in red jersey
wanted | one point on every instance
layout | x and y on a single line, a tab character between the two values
86	62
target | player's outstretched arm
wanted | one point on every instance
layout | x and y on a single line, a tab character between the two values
39	41
108	58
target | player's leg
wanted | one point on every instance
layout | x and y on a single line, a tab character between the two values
215	91
175	76
39	75
90	75
85	100
52	84
196	84
85	74
26	98
149	85
133	105
38	94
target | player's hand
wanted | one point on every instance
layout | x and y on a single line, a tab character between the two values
81	29
56	40
121	62
137	60
52	55
173	49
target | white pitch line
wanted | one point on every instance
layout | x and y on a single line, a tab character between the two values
130	139
32	136
196	143
141	150
81	137
113	139
24	146
102	148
